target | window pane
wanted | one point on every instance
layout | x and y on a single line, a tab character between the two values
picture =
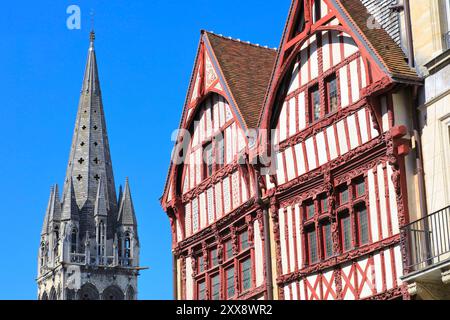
244	241
214	258
328	240
201	264
201	291
315	105
332	94
310	211
360	188
312	244
363	227
346	234
343	195
230	283
215	285
246	275
324	204
228	250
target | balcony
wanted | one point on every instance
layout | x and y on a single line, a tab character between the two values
427	242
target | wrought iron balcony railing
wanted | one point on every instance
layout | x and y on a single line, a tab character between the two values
428	241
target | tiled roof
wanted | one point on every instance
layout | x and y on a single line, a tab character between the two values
247	69
383	45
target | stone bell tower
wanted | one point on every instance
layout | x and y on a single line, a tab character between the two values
89	245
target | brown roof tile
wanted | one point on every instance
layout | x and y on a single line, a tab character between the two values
247	69
384	46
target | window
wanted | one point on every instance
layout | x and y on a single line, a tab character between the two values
314	112
360	188
343	195
208	161
73	241
214	258
246	274
243	240
346	233
312	247
230	283
220	151
310	210
228	250
127	248
327	241
323	204
363	226
101	238
201	291
201	264
215	286
332	94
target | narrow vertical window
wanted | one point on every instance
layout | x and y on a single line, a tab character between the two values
215	286
208	161
73	241
214	258
127	250
312	247
201	264
315	104
363	226
228	250
332	94
327	241
246	274
219	146
360	188
243	240
323	204
343	195
310	210
230	283
346	231
201	291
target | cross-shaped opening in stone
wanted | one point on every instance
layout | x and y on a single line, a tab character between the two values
82	144
96	160
83	127
81	161
95	144
79	177
95	127
97	177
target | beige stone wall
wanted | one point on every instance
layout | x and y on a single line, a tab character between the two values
435	119
428	19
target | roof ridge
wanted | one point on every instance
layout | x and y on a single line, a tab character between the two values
240	41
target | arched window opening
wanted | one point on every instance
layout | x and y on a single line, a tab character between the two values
73	241
113	293
43	255
127	253
101	240
56	244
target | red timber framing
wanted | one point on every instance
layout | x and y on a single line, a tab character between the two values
217	224
327	219
339	196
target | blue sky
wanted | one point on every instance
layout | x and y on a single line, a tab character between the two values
145	52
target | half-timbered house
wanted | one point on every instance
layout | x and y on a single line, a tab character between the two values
322	220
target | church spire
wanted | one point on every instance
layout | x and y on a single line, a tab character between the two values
90	159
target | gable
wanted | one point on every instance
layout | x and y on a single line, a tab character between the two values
342	19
